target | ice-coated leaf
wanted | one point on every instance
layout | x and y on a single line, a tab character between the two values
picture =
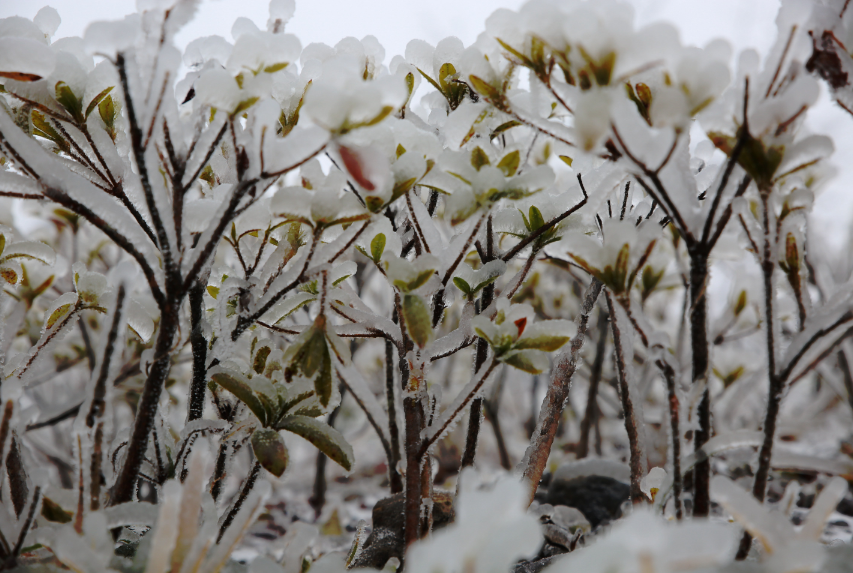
548	335
417	317
139	321
324	437
270	450
96	101
59	308
510	162
822	508
772	532
32	250
531	361
309	355
377	247
462	285
240	388
24	59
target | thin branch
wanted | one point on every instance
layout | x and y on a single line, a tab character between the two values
123	242
439	431
727	213
631	426
542	230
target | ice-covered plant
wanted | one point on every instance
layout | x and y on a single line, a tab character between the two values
222	260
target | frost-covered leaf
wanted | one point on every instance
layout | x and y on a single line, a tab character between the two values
31	250
417	317
270	450
243	391
324	437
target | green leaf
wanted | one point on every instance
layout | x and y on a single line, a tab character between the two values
273	68
96	101
535	218
567	160
418	321
741	303
446	71
415	283
52	511
69	101
385	112
244	393
400	188
400	150
57	314
462	285
107	111
650	280
213	291
505	126
758	161
524	59
377	247
479	158
260	361
487	90
410	83
430	80
310	355
322	436
521	361
545	342
43	128
270	451
510	162
2	243
244	105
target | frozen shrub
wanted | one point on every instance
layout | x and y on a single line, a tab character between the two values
222	268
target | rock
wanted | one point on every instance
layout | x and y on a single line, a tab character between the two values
845	506
598	497
533	566
387	539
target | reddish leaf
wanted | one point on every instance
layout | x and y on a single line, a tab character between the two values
353	164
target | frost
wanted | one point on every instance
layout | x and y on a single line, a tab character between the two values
644	540
281	11
490	533
48	20
109	38
22	57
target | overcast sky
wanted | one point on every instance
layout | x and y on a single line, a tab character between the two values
745	23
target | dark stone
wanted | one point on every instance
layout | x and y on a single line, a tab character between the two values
599	498
387	539
845	506
533	566
805	500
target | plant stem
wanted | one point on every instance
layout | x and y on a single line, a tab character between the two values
241	498
631	422
777	383
147	410
318	495
475	416
701	360
551	411
591	412
414	412
394	477
195	406
672	398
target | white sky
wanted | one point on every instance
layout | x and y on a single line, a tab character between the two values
745	23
